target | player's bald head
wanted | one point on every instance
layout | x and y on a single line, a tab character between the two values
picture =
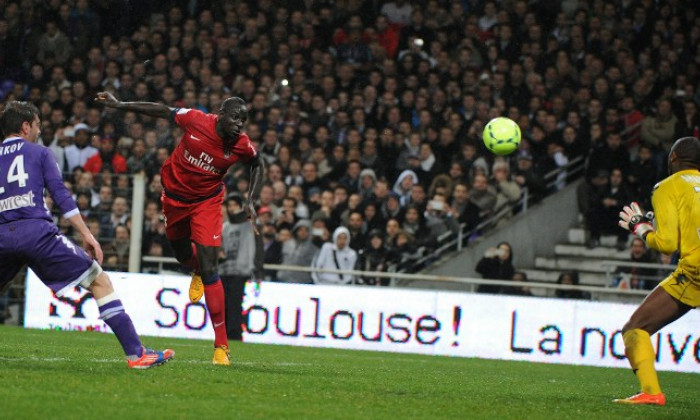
687	152
235	105
232	116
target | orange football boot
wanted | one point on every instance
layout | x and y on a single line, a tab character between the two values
643	398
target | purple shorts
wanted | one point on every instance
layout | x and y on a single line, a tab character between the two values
58	262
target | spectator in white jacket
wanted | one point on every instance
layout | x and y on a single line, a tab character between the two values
80	151
337	255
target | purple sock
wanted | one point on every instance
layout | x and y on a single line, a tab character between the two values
119	321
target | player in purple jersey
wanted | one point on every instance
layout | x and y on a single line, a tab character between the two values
28	235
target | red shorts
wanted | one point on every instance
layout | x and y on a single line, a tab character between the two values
201	222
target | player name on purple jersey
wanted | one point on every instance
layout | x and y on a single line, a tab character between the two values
26	169
14	147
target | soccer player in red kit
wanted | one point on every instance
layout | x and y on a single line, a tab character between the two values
193	193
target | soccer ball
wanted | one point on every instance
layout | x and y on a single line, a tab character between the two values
501	136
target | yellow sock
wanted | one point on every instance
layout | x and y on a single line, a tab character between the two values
641	356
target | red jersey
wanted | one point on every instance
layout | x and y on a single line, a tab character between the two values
197	166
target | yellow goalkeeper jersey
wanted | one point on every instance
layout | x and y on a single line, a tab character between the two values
676	202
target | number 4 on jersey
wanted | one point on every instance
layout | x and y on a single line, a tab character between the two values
16	173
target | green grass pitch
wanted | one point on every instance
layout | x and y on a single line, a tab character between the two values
82	375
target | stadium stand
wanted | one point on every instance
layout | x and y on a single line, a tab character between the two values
392	90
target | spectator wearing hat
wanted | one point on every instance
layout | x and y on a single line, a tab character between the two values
240	259
367	180
265	215
402	186
528	178
301	254
107	159
337	256
78	153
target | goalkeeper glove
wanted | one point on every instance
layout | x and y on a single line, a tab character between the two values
632	218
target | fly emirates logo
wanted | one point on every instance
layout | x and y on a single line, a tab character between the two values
204	161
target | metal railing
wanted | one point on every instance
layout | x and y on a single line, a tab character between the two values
611	270
396	276
137	193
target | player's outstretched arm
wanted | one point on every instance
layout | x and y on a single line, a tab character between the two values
257	173
152	109
259	260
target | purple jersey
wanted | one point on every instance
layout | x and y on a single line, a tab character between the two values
25	170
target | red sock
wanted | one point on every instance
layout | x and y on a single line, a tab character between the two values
194	261
214	295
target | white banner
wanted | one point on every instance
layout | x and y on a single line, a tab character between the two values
158	305
385	319
461	324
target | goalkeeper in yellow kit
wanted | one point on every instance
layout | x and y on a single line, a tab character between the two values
676	202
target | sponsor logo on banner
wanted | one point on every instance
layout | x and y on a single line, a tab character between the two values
385	319
159	306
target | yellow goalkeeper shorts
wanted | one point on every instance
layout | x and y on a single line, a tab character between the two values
682	288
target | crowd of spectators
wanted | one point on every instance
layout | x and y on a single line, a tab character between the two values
369	113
